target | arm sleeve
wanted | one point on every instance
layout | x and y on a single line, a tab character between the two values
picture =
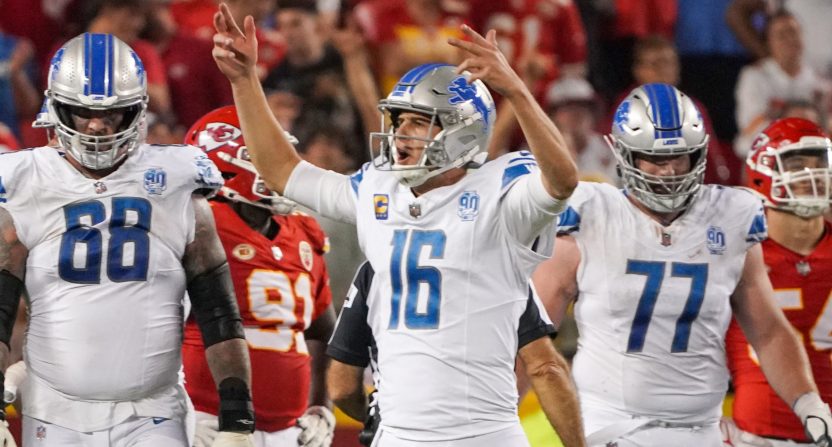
326	192
352	340
758	230
534	323
527	208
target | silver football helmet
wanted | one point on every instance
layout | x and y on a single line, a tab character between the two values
659	120
91	75
464	112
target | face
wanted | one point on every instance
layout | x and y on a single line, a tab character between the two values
286	107
99	123
657	65
408	127
576	118
663	165
784	40
299	28
129	22
806	160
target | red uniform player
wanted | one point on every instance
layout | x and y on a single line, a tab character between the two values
789	167
282	288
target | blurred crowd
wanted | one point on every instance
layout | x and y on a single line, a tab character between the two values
325	63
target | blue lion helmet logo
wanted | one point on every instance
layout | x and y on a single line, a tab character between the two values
463	91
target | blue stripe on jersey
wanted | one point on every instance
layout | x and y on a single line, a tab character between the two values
515	160
97	50
569	221
512	173
357	177
665	108
758	231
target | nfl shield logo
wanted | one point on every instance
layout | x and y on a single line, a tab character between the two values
155	181
469	206
40	432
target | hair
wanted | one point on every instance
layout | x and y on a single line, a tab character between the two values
653	42
780	13
90	10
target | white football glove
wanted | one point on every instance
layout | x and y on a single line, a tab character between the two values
318	427
206	431
6	438
816	418
15	375
233	439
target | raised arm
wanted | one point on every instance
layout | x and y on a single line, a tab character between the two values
215	309
782	358
486	62
235	53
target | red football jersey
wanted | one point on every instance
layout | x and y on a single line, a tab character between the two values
282	286
802	287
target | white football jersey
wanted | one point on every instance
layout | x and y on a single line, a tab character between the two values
654	302
450	286
104	274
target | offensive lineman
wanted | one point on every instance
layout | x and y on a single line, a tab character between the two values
108	233
656	270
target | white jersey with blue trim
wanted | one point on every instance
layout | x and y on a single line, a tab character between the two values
654	302
452	279
104	275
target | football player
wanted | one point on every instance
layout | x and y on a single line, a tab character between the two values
108	234
452	240
788	167
282	288
656	270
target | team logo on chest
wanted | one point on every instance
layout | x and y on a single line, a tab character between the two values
155	181
243	252
716	240
469	206
305	252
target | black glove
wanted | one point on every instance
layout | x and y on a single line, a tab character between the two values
371	423
236	410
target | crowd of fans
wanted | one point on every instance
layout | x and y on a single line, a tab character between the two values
325	63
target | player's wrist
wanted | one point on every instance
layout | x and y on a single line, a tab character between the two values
236	412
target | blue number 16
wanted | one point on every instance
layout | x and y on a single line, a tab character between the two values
414	275
654	271
84	234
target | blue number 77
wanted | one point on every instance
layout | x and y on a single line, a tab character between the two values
654	271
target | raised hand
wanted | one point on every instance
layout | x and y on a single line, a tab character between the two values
235	51
485	61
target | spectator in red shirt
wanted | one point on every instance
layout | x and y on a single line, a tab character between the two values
620	28
551	28
195	18
406	33
196	85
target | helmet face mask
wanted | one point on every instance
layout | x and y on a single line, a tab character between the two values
463	113
657	121
219	135
789	166
97	76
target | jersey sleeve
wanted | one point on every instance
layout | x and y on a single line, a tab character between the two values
758	229
569	221
204	177
526	207
352	339
331	194
535	322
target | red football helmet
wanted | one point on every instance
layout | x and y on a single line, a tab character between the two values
789	166
219	134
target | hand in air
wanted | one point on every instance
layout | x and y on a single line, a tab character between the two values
485	61
235	51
